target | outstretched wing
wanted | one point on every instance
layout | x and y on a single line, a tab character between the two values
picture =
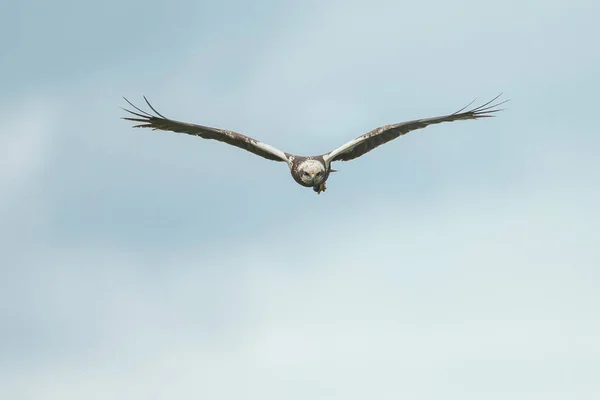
160	122
375	138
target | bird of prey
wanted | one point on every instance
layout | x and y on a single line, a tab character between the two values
311	171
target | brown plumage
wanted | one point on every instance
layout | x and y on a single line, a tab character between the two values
308	171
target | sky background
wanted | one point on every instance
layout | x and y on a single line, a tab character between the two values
458	262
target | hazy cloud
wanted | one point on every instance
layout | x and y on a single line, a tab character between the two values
458	262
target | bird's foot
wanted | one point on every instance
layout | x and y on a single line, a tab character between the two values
321	188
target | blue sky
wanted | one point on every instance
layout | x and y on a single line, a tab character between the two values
459	261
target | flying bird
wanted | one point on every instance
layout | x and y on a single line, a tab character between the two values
311	171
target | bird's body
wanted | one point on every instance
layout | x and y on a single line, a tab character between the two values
311	171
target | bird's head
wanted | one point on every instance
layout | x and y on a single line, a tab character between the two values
311	172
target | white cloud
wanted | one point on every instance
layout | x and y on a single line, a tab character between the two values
25	130
475	291
487	297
